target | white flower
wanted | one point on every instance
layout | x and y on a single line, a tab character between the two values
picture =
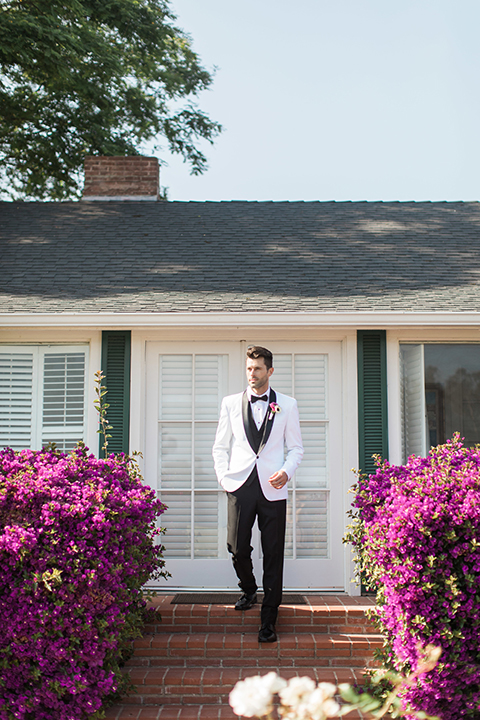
331	708
327	689
274	682
300	698
320	704
296	691
252	697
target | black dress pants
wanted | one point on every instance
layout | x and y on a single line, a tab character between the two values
244	505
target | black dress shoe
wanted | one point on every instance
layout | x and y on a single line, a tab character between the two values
267	633
246	601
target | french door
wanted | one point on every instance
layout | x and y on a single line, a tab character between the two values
185	385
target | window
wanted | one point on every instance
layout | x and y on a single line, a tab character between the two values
440	387
42	396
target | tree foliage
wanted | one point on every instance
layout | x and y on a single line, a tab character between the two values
93	77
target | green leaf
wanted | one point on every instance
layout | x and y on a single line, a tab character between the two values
85	78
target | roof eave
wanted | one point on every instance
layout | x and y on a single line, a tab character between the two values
360	319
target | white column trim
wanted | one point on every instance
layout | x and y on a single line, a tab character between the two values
350	447
394	399
94	364
137	441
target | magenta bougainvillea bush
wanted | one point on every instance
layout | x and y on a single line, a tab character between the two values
416	532
77	543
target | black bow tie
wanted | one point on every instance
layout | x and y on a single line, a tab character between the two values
254	398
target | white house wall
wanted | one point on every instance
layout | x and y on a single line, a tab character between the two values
204	327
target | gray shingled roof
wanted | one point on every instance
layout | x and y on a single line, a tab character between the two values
235	256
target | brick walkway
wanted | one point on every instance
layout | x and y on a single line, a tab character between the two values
185	667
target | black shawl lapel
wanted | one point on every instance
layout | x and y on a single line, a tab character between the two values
269	423
246	422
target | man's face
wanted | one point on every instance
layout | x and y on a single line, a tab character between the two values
258	375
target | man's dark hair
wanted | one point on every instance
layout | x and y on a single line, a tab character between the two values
256	351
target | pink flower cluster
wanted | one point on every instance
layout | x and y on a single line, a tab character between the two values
417	533
76	545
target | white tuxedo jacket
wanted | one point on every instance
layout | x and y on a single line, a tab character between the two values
234	457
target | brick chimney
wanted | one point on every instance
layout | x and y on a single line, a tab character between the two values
121	178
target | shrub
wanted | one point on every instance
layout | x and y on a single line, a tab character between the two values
416	531
76	546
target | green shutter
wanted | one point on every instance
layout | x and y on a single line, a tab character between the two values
116	368
372	397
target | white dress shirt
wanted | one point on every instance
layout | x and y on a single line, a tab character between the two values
259	408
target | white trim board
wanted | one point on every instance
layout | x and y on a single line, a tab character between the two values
243	319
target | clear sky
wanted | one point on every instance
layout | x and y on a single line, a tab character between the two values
336	100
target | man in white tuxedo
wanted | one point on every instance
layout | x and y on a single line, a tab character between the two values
249	456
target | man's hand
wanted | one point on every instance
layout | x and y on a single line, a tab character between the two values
278	479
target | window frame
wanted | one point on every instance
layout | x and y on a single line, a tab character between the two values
38	351
414	336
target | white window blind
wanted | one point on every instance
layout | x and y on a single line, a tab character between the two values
63	410
191	388
16	399
304	376
42	392
414	417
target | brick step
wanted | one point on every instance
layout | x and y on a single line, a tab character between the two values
330	614
185	667
213	685
182	650
181	712
156	688
171	712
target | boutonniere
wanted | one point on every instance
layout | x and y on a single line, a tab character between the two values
274	408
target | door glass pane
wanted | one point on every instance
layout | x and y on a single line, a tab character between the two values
282	374
206	525
305	377
175	402
177	522
289	545
210	385
204	470
312	472
189	383
311	515
175	458
310	386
